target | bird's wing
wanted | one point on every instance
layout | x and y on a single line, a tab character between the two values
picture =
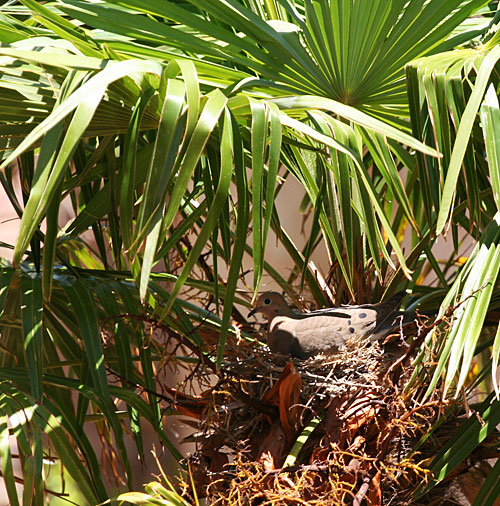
323	333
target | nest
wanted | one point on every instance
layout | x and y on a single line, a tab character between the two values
329	430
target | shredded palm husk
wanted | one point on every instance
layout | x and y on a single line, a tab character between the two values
330	430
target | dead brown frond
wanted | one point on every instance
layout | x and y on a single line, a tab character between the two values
330	430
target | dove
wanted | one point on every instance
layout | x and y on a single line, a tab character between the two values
304	335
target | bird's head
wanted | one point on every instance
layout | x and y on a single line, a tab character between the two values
271	304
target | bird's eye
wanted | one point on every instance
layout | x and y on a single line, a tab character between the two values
267	301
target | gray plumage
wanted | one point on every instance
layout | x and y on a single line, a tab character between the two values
303	335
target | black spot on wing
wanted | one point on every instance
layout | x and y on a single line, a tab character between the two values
362	315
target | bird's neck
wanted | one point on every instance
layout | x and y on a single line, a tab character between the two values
286	313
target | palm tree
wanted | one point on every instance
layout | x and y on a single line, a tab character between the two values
170	127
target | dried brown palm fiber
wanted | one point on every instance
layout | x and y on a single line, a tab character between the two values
359	451
345	387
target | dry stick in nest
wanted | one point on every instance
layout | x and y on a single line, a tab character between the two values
422	333
374	475
315	468
396	369
385	446
357	370
393	374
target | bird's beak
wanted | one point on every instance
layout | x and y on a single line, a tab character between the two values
253	311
